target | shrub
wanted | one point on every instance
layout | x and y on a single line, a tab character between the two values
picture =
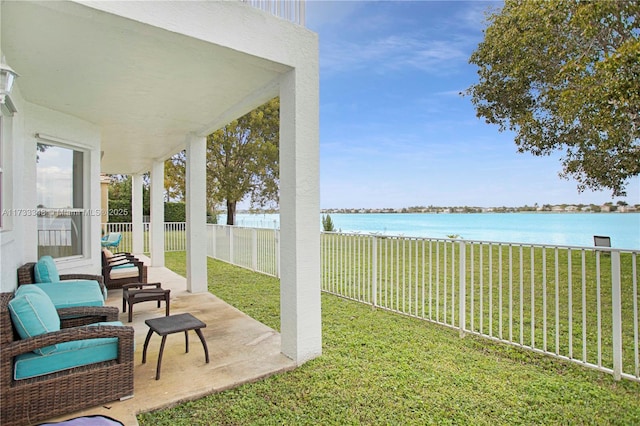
175	212
327	224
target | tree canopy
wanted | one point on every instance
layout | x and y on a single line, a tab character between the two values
243	160
564	75
174	176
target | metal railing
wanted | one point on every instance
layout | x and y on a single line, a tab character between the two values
257	249
175	236
291	10
574	303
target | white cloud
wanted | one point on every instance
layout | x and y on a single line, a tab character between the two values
393	53
54	187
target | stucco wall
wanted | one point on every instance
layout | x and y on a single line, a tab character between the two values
12	234
18	243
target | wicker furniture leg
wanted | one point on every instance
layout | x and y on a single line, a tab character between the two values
164	326
204	345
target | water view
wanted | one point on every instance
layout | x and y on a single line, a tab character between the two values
575	229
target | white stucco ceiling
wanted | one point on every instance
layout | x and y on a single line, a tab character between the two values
145	87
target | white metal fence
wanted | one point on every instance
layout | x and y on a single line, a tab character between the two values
573	303
252	248
175	235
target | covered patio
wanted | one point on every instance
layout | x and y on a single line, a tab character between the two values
120	87
241	350
124	86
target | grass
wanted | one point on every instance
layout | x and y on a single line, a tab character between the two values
553	299
382	368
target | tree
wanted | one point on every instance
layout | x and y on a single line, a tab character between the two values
174	177
564	75
242	160
120	188
327	224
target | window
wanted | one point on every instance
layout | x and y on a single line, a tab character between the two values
60	198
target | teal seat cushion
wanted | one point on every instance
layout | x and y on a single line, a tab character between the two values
124	266
72	293
33	313
68	355
45	270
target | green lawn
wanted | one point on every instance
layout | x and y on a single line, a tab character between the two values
382	368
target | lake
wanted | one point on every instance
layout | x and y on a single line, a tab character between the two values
575	229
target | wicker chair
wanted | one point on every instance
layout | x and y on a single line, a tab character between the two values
31	400
26	275
111	272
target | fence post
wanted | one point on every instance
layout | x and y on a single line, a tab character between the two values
616	311
374	272
231	260
277	237
254	249
462	288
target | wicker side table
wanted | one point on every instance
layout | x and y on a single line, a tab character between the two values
164	326
139	292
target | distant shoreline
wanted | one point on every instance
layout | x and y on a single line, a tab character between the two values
546	208
454	212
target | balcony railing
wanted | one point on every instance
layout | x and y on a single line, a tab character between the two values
291	10
573	303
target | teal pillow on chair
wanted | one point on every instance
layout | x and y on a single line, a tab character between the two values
33	314
29	289
46	271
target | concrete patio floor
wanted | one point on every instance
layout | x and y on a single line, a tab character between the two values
241	350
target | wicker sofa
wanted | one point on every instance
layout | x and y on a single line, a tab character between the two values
30	400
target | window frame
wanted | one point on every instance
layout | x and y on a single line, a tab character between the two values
85	223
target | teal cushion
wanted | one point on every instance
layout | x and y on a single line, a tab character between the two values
72	293
124	266
82	352
81	344
34	314
29	289
46	270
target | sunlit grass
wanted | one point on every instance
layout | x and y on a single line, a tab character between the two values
381	368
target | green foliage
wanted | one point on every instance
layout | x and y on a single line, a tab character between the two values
174	176
175	212
243	160
123	208
564	76
120	197
327	224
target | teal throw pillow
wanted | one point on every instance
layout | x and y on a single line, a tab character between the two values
30	289
46	270
34	314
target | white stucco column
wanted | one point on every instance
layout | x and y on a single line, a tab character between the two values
301	327
156	225
136	214
196	186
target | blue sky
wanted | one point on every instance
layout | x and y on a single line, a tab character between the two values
394	131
